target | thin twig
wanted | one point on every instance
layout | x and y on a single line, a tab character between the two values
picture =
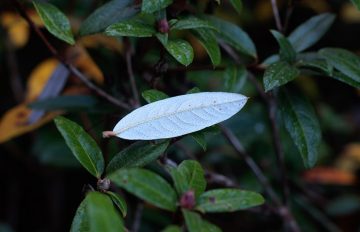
276	15
71	68
137	217
251	163
289	11
132	76
283	210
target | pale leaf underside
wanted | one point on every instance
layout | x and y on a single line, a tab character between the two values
179	115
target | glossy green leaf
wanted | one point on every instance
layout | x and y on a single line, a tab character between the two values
345	61
102	214
153	95
130	28
278	74
237	4
147	186
287	52
234	36
150	6
302	124
70	103
81	219
137	154
82	145
317	64
194	90
208	40
172	228
189	175
55	21
343	78
119	202
200	138
111	12
228	200
356	3
311	31
181	50
96	213
195	223
235	77
191	23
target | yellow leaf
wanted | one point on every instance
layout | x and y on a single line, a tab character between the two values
349	13
39	77
17	28
15	122
80	58
95	41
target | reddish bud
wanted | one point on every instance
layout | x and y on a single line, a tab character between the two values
187	200
163	26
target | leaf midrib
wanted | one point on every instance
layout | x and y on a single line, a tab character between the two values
170	114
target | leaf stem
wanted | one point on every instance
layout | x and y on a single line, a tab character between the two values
276	15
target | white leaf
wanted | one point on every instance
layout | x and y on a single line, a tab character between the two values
179	115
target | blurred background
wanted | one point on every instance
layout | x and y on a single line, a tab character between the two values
42	184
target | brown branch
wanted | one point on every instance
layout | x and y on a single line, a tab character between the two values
276	15
132	76
283	210
251	163
71	68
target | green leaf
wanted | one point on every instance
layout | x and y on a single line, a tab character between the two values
137	154
112	12
96	213
208	40
237	4
234	36
191	23
278	74
150	6
195	223
180	49
130	28
235	77
228	200
172	228
200	138
318	64
194	90
153	95
311	31
55	21
82	145
147	186
189	175
70	103
81	219
356	3
119	202
287	52
346	62
302	124
102	214
343	78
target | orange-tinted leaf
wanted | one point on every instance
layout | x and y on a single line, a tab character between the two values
80	58
329	175
39	77
17	28
98	40
15	122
